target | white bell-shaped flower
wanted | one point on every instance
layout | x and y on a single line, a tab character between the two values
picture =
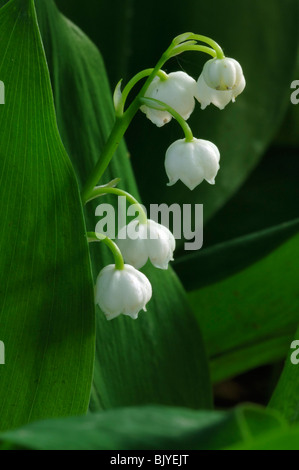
139	241
192	162
177	91
125	291
220	82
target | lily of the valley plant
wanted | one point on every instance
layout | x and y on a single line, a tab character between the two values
121	288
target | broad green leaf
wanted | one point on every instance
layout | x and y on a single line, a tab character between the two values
219	261
261	215
273	440
286	397
267	199
249	319
46	298
261	35
158	358
157	428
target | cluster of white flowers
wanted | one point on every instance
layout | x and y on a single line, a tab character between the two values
126	290
220	82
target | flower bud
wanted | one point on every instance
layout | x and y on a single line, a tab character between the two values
125	291
221	81
192	162
177	91
140	241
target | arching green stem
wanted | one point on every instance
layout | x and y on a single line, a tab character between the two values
100	191
99	237
139	76
120	126
160	106
210	42
196	48
123	119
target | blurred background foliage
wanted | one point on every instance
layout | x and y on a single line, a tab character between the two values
242	285
253	207
263	37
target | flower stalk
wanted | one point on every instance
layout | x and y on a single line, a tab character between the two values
160	106
124	118
121	288
99	237
102	190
